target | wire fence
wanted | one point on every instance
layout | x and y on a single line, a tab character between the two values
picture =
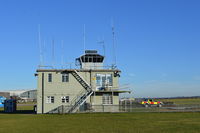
135	107
141	108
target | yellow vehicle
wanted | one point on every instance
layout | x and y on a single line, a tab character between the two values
151	102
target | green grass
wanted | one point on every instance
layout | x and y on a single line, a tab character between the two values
182	101
28	107
101	123
28	103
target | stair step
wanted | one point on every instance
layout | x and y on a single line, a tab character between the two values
83	97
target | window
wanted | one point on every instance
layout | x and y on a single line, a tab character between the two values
110	80
107	99
65	77
50	99
49	77
98	80
65	99
103	80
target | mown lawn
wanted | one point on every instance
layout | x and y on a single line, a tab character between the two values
101	123
182	101
25	107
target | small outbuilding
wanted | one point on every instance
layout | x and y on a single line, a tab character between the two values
10	105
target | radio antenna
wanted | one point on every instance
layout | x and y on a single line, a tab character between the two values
83	43
102	42
53	56
84	38
113	41
40	46
43	52
62	53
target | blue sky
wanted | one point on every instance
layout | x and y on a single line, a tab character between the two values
157	42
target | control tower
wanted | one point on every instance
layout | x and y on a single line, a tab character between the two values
90	60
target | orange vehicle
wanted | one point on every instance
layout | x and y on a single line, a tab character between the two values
151	102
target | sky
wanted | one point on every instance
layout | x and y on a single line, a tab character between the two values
157	42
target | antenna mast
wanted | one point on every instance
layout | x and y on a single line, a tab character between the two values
40	46
84	38
53	56
84	42
113	39
62	53
102	42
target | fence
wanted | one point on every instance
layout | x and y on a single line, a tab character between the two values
87	108
141	108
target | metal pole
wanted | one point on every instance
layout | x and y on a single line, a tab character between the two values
42	93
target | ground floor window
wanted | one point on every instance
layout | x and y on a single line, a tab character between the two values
65	99
107	99
50	99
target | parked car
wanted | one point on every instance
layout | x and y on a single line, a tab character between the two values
151	102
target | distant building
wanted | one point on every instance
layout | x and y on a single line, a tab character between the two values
5	94
20	95
16	92
10	105
31	94
69	89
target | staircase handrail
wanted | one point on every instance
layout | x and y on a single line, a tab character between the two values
82	79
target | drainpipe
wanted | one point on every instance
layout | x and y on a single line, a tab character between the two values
42	93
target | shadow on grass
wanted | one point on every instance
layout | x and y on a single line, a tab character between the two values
19	112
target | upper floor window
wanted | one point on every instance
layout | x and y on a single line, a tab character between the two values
104	80
49	77
109	79
65	99
50	99
65	77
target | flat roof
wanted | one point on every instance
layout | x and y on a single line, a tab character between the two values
79	70
118	91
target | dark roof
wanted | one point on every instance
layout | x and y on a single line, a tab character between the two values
96	58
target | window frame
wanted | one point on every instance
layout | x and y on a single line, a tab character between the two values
102	80
107	99
50	99
65	99
50	77
65	77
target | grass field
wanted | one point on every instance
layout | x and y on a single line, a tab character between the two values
101	123
182	101
25	107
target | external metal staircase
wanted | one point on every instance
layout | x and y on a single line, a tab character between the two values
77	101
81	80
